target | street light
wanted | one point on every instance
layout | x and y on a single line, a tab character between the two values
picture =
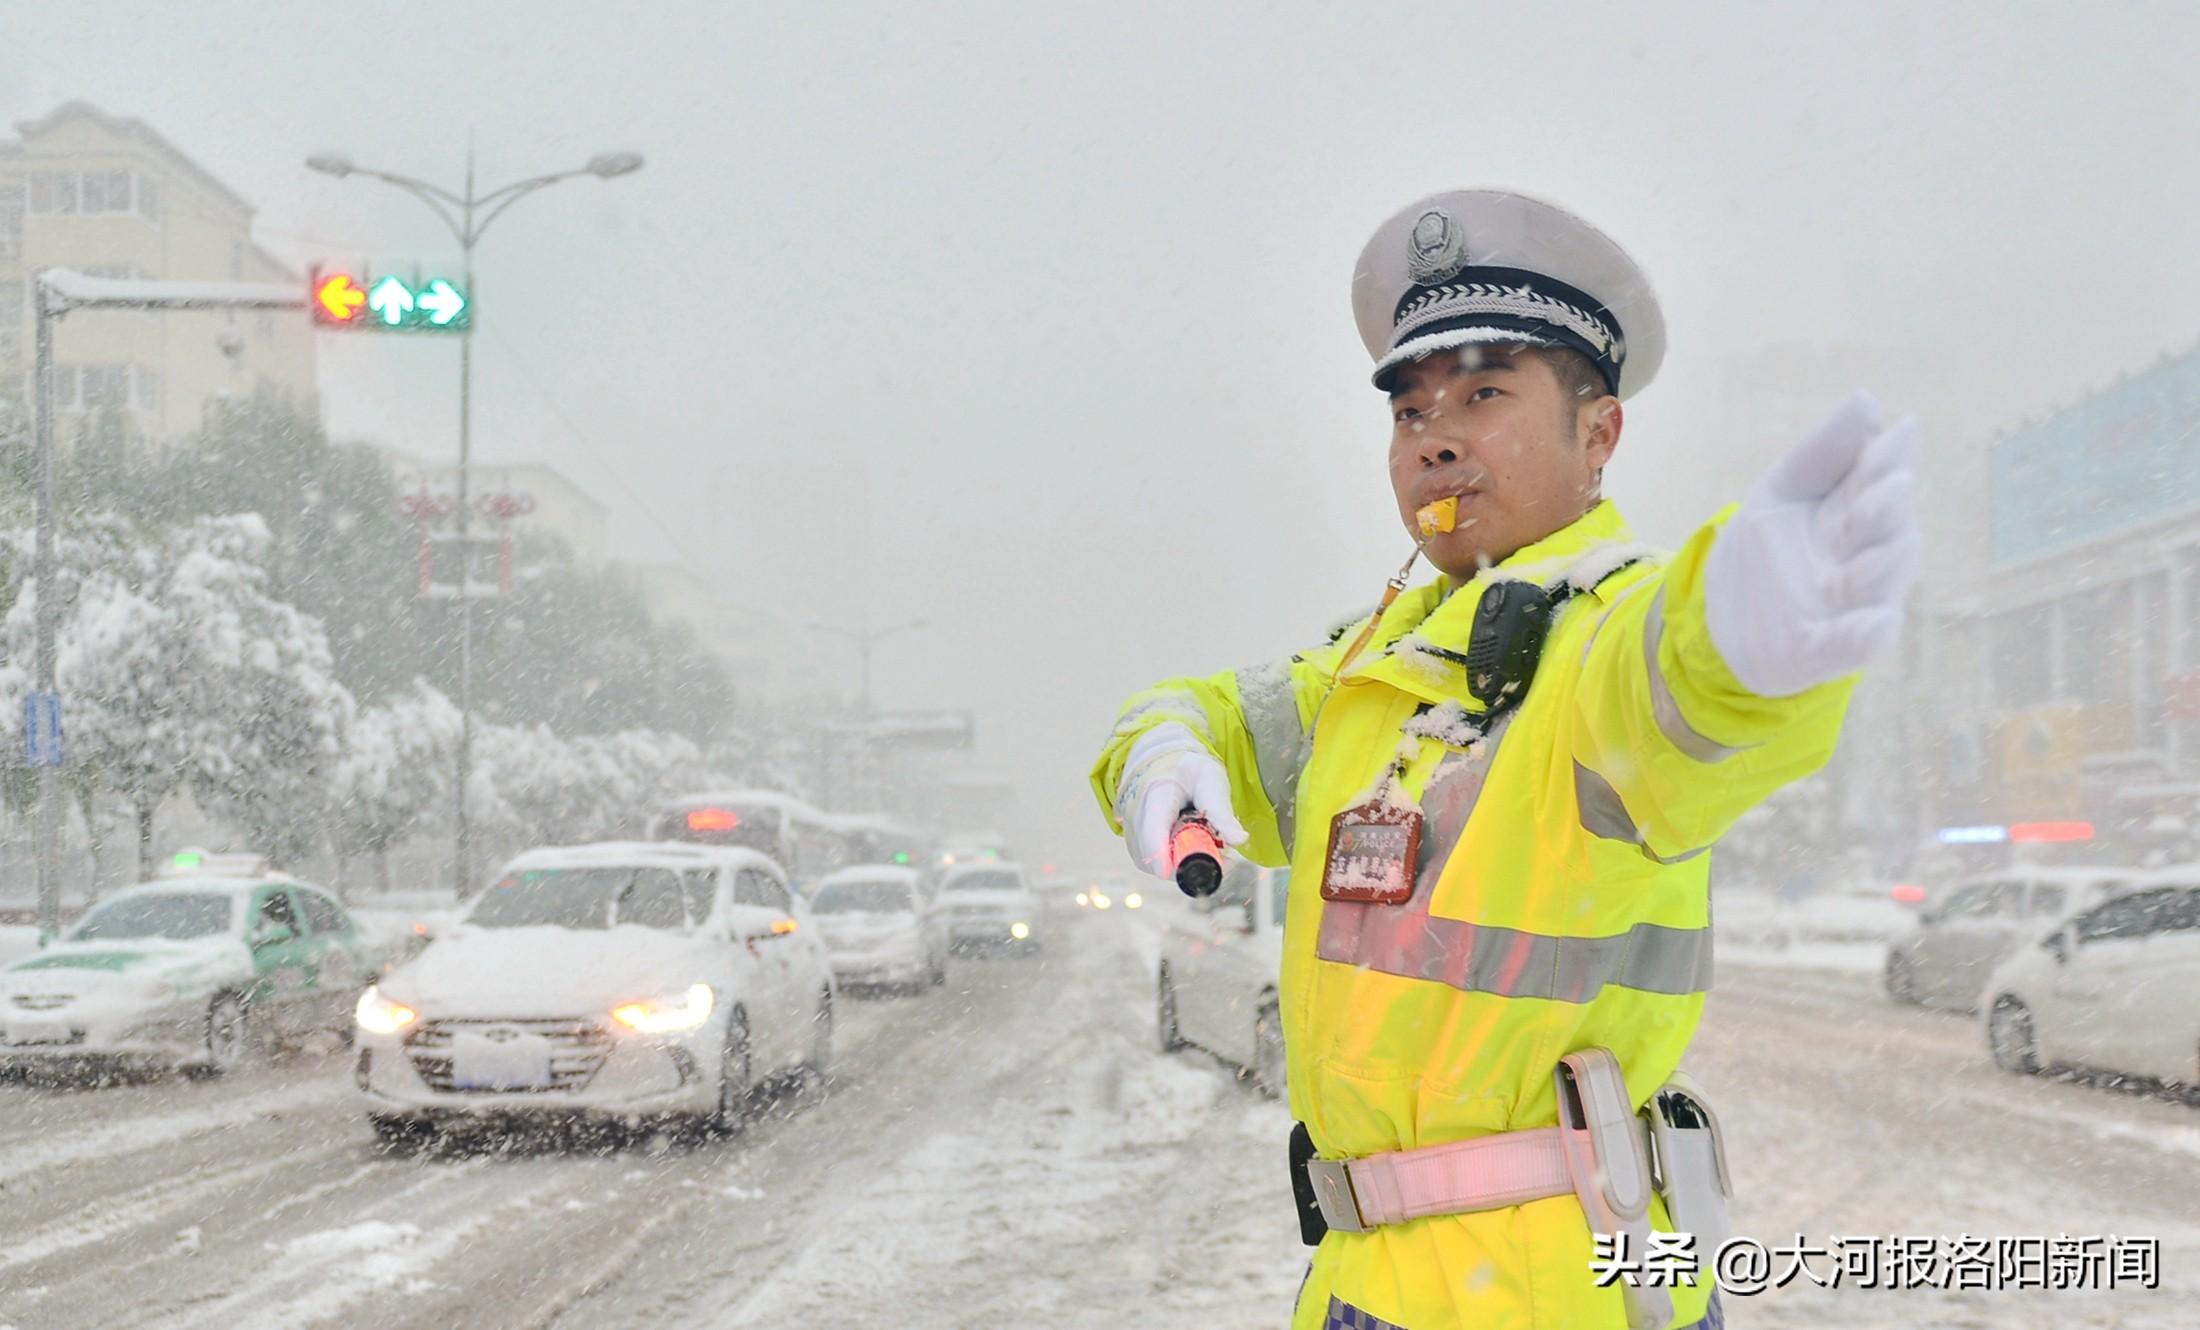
865	637
468	215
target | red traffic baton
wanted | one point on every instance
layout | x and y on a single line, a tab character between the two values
1196	852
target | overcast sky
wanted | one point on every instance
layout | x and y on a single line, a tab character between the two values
1034	320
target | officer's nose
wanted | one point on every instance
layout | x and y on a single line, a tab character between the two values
1435	454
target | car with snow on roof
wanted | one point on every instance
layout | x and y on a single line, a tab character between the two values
643	981
1945	957
204	969
880	928
987	904
2113	988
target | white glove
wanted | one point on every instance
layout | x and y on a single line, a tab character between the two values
1805	584
1167	769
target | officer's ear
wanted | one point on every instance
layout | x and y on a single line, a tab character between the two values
1597	424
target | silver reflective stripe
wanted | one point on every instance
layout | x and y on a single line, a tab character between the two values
1513	963
1603	813
1671	722
1271	708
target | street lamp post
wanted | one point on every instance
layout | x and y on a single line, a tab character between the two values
865	637
468	215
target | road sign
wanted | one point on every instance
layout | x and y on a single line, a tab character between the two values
42	729
388	302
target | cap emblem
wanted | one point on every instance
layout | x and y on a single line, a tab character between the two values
1436	248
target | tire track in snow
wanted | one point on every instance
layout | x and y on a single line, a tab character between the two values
151	1131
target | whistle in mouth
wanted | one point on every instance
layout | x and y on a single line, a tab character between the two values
1436	518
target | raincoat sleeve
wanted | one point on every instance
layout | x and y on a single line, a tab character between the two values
1663	723
1254	720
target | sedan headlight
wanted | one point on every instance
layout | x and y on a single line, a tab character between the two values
663	1015
378	1015
1019	930
1133	901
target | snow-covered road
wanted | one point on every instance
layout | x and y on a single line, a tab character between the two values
1014	1153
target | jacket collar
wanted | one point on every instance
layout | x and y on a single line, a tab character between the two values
1430	624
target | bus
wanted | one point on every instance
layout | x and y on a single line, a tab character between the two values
807	841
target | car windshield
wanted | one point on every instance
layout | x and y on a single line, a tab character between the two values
986	879
594	897
177	915
871	895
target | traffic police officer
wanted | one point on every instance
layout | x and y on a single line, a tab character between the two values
1497	793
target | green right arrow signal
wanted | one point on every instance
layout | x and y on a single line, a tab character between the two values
442	302
390	301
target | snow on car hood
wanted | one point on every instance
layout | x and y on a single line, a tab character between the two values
545	971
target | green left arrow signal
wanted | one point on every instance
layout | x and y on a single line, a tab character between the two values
442	302
391	301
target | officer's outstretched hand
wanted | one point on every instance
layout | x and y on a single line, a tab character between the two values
1167	770
1805	584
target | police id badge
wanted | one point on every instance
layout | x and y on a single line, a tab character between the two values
1373	848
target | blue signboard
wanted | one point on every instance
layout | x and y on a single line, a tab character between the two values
2113	461
42	729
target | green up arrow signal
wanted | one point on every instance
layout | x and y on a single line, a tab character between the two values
442	302
390	301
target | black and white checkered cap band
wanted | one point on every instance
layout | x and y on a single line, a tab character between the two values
1541	309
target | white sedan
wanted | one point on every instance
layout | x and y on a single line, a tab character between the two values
628	981
879	928
1944	958
1218	979
988	905
2116	989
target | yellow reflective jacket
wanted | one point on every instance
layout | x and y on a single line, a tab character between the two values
1562	895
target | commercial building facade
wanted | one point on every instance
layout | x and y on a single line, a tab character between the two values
2067	672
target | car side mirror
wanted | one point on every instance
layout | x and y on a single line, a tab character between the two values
272	934
2058	942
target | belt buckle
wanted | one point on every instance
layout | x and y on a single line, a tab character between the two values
1332	1179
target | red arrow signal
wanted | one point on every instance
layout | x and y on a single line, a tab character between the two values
338	300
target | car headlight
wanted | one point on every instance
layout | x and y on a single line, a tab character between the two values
378	1015
1133	901
1019	930
1100	900
663	1015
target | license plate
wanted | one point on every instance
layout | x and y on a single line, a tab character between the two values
480	1063
37	1032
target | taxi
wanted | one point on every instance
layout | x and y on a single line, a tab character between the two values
204	969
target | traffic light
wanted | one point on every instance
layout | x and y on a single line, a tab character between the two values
388	303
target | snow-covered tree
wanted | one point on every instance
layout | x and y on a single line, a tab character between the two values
394	777
283	715
175	665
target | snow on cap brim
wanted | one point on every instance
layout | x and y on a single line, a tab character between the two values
1447	341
